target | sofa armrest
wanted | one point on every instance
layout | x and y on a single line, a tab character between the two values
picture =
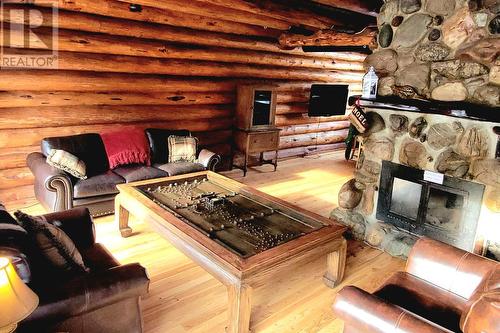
77	224
209	159
448	267
367	313
90	292
53	187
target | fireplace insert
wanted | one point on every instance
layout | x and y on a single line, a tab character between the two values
429	204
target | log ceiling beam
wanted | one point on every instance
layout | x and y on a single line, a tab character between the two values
329	38
165	16
84	22
209	10
366	7
297	16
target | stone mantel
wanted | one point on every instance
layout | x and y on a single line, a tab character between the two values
464	110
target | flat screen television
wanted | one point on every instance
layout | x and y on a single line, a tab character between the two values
328	100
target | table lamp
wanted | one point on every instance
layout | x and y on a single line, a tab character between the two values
16	299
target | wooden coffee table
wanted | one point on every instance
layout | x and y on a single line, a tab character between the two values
239	235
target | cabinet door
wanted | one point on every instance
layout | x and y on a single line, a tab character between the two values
262	108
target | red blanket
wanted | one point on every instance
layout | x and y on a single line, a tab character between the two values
127	146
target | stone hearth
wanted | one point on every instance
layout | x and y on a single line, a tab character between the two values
460	148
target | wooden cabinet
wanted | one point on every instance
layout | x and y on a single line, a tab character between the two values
255	124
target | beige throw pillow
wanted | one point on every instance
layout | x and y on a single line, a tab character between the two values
68	162
182	149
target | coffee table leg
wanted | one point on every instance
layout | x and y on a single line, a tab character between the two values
121	215
335	265
240	308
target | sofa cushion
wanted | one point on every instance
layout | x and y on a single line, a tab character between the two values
180	168
158	143
102	184
87	147
133	173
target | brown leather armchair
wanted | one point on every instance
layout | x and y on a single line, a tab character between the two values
107	299
443	289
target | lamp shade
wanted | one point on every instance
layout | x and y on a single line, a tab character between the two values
17	300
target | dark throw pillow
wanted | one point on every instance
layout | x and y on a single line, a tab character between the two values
53	243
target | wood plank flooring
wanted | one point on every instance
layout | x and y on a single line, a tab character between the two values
183	298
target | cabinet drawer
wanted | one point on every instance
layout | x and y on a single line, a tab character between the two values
259	142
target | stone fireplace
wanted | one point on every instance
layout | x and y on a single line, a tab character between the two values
446	52
459	149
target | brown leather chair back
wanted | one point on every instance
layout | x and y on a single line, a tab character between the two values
457	271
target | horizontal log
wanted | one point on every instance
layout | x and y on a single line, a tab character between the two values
285	120
294	108
78	115
14	99
292	97
306	151
193	10
75	41
29	80
209	138
121	27
310	139
120	10
18	198
15	157
367	7
31	137
13	178
143	65
314	128
288	13
206	9
329	38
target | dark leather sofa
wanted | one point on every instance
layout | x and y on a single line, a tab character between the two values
443	289
57	191
107	299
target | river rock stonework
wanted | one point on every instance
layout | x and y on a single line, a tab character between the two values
461	148
439	49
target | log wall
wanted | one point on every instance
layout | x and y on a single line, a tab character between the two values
176	64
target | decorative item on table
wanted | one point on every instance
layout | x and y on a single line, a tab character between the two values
18	300
370	84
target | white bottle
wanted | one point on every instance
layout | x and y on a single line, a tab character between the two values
370	83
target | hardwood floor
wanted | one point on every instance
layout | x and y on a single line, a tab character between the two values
183	298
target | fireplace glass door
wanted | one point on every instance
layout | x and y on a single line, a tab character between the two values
445	209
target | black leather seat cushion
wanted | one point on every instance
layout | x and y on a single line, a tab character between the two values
158	143
99	185
180	168
133	173
87	147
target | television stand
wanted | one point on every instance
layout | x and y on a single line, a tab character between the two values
257	141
